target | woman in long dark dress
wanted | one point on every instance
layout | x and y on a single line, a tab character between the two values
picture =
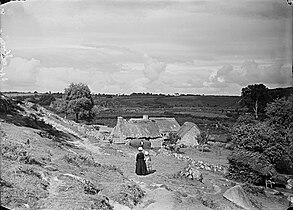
141	168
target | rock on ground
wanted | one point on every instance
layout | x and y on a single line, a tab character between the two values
237	195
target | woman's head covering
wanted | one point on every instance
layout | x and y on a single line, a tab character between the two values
140	149
146	153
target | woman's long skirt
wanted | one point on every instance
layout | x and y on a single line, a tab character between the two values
141	168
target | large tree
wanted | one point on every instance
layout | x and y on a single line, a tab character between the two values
255	98
78	99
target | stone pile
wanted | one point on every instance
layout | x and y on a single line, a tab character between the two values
191	173
197	164
289	184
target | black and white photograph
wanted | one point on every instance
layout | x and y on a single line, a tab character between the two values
146	105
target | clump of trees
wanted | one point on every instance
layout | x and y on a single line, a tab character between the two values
263	149
44	100
77	99
255	98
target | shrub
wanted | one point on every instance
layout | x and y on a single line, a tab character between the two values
241	170
263	149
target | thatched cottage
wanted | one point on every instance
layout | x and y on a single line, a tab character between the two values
188	134
151	129
166	125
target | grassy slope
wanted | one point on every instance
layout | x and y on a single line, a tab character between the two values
42	168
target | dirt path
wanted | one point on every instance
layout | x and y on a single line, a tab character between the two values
157	193
53	194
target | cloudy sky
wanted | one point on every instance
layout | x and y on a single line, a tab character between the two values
164	46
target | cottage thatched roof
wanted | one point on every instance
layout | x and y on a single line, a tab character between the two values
166	124
136	129
185	128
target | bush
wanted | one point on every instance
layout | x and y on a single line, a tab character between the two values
46	99
253	189
241	171
263	149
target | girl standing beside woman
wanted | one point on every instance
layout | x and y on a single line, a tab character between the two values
148	162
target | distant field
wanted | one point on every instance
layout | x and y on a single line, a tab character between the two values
179	101
20	94
203	114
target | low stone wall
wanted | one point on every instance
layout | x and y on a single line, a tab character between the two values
197	164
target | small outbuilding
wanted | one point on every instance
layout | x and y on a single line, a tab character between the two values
188	134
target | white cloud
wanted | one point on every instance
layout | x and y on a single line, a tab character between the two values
22	72
153	68
276	74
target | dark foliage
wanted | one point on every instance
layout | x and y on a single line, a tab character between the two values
255	98
78	100
249	167
263	149
46	99
8	105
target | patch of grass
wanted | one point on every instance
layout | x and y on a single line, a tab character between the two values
90	188
208	202
29	159
17	197
113	168
129	195
4	183
12	151
25	187
29	171
81	160
255	190
17	152
101	203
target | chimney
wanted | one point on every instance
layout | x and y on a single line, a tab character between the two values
119	120
145	117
